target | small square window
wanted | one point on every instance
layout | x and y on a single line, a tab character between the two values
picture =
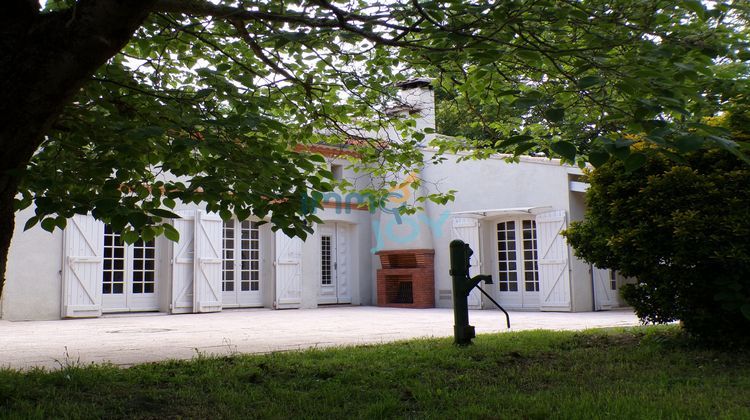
337	171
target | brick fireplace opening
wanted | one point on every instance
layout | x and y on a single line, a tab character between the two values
407	278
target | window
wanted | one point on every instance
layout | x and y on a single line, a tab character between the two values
113	281
517	259
613	279
337	171
143	267
506	257
530	266
241	256
325	257
139	258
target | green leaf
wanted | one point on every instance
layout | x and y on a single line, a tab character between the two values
555	114
525	103
598	157
171	233
635	161
33	220
49	224
565	149
523	148
129	236
137	219
148	233
689	143
164	213
589	81
529	56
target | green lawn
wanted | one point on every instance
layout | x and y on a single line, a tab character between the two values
635	373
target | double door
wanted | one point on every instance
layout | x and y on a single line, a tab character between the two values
241	271
129	281
517	263
335	268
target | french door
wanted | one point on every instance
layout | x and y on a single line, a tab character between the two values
129	281
334	264
517	263
241	272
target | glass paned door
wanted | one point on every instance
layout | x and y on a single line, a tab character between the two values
129	280
241	271
334	264
517	263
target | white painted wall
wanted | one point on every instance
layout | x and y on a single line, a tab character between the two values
33	287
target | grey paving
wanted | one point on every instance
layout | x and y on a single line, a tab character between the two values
130	339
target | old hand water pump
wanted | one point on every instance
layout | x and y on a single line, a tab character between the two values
460	254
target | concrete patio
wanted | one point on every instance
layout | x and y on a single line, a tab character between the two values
130	339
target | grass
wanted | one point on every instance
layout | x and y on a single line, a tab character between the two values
647	372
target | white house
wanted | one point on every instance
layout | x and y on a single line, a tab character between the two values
510	214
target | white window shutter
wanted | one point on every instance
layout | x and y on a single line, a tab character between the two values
83	246
554	274
288	264
182	263
207	262
467	230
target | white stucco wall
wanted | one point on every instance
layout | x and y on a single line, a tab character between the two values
33	277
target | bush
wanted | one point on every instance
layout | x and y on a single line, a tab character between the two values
683	230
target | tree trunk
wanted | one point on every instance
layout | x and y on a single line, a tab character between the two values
44	60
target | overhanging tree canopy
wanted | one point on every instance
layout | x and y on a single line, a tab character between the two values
100	95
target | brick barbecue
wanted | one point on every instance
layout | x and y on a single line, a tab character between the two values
407	278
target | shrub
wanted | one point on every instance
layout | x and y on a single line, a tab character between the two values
683	230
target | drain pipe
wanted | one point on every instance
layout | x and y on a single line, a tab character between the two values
593	288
